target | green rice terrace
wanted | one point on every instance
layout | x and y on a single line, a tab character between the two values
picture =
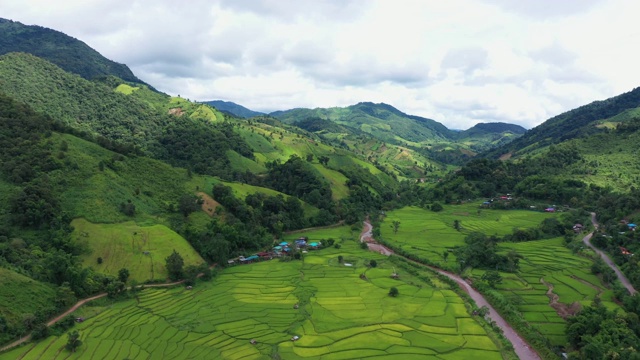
552	283
322	300
429	234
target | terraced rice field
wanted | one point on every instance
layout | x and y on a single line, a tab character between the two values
340	316
429	234
569	275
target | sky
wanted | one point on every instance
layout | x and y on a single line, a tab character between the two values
459	62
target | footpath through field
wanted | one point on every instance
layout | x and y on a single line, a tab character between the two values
82	302
623	279
521	347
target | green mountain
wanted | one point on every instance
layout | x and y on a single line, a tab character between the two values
491	129
69	53
233	108
581	122
484	136
391	126
143	122
382	121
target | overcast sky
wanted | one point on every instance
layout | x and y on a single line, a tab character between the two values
459	62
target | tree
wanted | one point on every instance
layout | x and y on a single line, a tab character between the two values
40	331
340	259
394	292
373	263
115	288
188	203
445	255
456	225
310	157
492	278
74	341
123	275
395	224
324	160
191	274
175	265
436	207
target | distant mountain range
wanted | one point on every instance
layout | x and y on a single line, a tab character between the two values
233	108
368	112
68	53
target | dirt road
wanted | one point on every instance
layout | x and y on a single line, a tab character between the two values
82	302
623	279
520	346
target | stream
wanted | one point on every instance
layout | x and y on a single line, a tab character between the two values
520	346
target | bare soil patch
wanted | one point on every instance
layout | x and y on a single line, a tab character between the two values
176	111
563	310
209	205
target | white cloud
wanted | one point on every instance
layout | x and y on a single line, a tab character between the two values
459	62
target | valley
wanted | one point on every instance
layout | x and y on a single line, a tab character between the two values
136	224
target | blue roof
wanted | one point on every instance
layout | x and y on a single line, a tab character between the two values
633	225
314	244
252	257
277	247
284	243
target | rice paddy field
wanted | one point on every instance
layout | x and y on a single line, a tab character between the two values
339	315
545	263
569	275
140	249
429	234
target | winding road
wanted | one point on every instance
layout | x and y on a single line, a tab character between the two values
520	346
623	279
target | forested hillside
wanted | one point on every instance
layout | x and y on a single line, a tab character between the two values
69	53
578	123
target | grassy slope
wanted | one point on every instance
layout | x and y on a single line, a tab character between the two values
340	316
20	296
96	195
124	245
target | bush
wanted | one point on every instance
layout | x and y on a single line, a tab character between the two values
394	292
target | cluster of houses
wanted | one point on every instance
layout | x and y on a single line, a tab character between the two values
624	251
507	197
277	251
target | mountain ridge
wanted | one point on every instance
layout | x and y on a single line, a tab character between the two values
67	52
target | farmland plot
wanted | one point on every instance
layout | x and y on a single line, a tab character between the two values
339	316
429	234
548	263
